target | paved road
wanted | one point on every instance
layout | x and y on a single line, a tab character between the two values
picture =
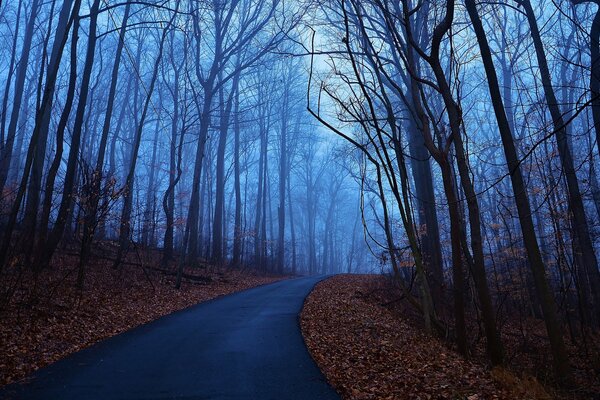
243	346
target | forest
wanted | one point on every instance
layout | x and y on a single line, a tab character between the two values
452	146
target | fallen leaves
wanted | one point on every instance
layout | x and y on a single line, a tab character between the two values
368	352
44	324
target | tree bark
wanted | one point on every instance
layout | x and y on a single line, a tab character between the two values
283	172
73	161
125	226
39	135
6	148
523	207
237	230
577	212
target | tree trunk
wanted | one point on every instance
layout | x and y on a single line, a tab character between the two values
190	246
283	165
576	207
7	146
11	70
259	194
150	206
125	227
237	230
175	171
561	365
458	275
427	213
39	135
73	161
218	230
60	133
292	229
595	74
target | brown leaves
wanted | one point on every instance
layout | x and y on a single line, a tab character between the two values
367	352
371	346
43	326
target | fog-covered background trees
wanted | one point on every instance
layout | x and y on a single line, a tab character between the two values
178	125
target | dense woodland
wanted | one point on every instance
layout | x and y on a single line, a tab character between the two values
453	144
176	125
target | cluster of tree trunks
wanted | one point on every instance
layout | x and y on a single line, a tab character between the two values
406	84
176	125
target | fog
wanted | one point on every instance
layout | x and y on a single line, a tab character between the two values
183	126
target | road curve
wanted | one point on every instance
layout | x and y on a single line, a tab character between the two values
246	345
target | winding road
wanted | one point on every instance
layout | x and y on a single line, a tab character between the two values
246	345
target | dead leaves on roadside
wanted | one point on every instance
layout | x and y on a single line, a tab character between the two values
40	328
366	352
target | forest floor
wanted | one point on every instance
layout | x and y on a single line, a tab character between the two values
370	345
49	317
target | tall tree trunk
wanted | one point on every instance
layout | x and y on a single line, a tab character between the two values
238	230
111	179
577	213
454	114
190	246
427	213
125	227
40	132
217	233
218	222
458	275
292	229
267	212
150	206
175	171
260	193
442	158
561	365
7	145
190	242
73	161
11	70
595	73
60	134
39	155
14	171
283	172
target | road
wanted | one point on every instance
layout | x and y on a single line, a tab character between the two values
246	345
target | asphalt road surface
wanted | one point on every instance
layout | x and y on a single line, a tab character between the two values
246	345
